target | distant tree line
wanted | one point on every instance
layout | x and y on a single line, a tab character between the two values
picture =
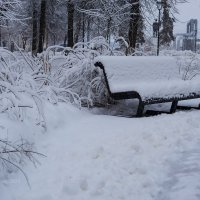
37	24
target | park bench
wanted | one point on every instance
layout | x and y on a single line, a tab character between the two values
149	79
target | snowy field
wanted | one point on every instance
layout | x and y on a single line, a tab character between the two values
91	153
93	157
64	133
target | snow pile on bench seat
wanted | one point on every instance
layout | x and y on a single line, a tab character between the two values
151	76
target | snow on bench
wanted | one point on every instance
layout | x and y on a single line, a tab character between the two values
151	79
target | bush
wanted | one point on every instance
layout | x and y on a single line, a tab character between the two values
73	75
19	90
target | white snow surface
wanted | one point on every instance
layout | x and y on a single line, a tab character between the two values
150	76
95	157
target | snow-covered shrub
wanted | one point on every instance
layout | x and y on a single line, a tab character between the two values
189	66
21	80
18	87
72	73
13	155
188	61
176	53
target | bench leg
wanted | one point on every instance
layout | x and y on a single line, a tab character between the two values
174	106
140	109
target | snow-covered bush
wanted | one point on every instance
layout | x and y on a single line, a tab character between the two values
73	75
60	74
188	61
19	91
189	66
21	80
13	155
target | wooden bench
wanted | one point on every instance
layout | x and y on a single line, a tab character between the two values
149	79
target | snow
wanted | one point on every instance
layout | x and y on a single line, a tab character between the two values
150	76
93	157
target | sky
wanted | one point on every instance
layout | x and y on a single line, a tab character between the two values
187	11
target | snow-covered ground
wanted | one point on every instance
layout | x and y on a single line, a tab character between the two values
92	156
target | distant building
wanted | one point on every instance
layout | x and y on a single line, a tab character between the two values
188	41
192	26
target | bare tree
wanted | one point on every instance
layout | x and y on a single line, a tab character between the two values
34	27
42	26
134	22
70	29
8	12
75	20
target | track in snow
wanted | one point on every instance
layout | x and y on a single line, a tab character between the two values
184	178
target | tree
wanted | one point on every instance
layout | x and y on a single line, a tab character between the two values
8	12
34	27
70	29
42	26
56	22
51	22
166	34
140	32
134	22
106	16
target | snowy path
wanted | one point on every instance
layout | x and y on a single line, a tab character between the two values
92	157
184	178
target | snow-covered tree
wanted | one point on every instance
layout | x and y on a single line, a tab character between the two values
134	22
166	34
42	28
70	21
8	11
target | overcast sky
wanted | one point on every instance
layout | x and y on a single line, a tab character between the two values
190	10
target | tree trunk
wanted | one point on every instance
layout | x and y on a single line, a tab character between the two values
88	29
108	29
133	26
34	28
65	40
166	34
77	30
70	9
46	42
42	26
0	36
83	28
